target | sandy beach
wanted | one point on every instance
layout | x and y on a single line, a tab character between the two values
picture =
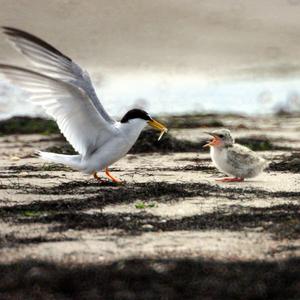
170	221
170	230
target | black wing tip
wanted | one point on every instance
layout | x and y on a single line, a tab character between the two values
12	31
15	32
9	28
5	66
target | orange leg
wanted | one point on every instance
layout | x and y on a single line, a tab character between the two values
97	177
229	179
111	177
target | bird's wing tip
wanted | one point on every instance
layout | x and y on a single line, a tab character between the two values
8	29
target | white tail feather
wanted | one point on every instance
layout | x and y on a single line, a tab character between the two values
73	161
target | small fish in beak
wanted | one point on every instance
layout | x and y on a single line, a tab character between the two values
156	125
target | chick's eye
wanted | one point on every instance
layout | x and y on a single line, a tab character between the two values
221	136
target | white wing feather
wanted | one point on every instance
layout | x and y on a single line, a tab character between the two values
54	63
75	114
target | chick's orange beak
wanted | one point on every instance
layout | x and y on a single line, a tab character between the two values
214	142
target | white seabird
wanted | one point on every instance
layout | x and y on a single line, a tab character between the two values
234	159
66	93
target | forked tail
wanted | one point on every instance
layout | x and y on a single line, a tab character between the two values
73	161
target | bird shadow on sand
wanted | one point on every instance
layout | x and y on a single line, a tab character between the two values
151	279
100	196
282	221
72	212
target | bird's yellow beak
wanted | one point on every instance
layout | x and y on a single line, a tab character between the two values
162	128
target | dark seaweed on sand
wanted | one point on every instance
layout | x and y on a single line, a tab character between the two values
290	163
257	143
32	125
27	125
147	143
65	148
193	121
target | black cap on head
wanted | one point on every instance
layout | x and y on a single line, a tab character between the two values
136	114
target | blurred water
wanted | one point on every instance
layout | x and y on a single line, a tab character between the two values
169	95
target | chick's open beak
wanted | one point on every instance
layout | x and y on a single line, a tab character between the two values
163	129
214	142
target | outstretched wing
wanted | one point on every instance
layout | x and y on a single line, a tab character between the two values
76	116
53	63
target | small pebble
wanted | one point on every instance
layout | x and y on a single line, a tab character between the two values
24	174
147	226
14	158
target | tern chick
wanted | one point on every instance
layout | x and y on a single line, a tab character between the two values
233	159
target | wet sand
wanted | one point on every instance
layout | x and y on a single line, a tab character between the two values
169	232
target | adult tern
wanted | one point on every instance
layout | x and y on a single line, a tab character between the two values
66	93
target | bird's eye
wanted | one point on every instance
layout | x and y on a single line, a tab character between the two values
221	136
